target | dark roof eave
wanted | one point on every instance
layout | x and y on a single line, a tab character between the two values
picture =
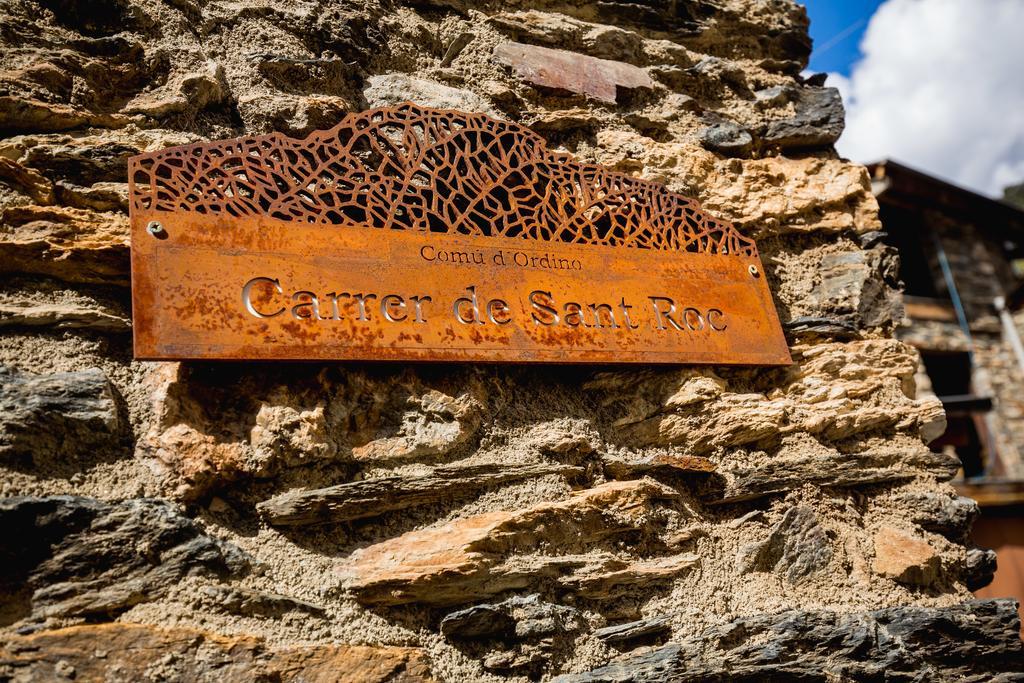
900	182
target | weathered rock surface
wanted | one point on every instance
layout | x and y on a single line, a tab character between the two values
705	96
821	195
560	31
943	513
387	90
61	316
974	641
520	632
519	616
726	137
135	652
979	568
438	424
67	556
372	497
859	288
746	482
560	70
818	122
76	245
480	556
796	546
65	415
660	463
834	391
622	635
904	557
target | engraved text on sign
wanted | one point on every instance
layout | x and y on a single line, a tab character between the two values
410	233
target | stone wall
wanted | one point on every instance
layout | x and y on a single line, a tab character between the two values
981	272
234	521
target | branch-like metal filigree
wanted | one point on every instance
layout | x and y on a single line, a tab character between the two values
415	168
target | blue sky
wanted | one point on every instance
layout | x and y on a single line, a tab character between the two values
837	27
935	84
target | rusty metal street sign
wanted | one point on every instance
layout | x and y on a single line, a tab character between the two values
419	234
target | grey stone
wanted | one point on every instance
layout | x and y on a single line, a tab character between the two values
859	287
797	546
979	568
81	164
726	137
56	416
630	632
64	315
251	602
517	634
519	618
747	482
456	47
373	497
946	514
387	90
871	239
975	641
82	557
825	326
774	96
818	122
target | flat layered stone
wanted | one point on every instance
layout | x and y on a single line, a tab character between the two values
602	79
61	316
747	482
81	557
75	245
133	652
620	635
58	416
372	497
520	634
797	546
975	641
661	463
944	513
476	557
818	122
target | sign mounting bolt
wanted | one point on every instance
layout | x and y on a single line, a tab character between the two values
156	230
753	270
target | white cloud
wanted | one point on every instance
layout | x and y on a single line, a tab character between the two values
941	88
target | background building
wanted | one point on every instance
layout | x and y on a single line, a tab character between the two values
961	265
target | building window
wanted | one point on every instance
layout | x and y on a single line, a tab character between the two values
966	432
908	234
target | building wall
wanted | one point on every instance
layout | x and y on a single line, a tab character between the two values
484	522
981	273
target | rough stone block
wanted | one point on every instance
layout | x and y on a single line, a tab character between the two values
602	79
64	415
904	557
977	641
81	557
136	652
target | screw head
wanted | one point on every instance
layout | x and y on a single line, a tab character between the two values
156	230
753	270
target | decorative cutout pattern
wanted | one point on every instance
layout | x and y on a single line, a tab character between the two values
415	168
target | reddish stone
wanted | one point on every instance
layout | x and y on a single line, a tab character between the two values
601	79
133	652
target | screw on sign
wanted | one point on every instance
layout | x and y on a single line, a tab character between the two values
422	234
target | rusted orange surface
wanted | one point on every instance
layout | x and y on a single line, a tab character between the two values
411	233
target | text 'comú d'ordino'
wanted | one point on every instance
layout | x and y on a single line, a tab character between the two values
265	297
